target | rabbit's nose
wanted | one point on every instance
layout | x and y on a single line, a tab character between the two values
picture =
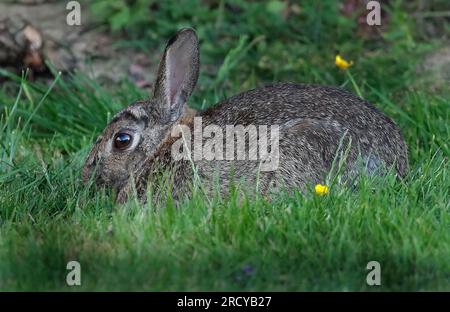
89	167
87	172
94	162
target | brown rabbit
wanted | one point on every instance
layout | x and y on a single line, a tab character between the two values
314	125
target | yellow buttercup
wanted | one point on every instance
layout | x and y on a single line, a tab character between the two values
321	189
342	63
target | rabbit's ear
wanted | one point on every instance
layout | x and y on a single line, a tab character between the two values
177	74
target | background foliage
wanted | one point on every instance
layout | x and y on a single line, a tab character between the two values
298	242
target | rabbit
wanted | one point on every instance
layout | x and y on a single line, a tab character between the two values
315	123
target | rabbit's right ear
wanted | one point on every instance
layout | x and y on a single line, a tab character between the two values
177	74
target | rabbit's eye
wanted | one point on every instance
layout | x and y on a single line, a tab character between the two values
122	140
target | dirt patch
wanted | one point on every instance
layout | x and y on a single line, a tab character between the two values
435	68
34	33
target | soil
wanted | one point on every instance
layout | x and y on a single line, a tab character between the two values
34	34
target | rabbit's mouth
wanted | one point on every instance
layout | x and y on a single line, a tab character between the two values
115	184
94	171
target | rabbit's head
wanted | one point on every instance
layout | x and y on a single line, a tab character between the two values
134	134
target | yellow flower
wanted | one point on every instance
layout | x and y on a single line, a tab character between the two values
341	63
321	189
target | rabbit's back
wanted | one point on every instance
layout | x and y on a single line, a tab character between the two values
282	103
313	121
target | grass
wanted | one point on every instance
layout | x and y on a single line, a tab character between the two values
295	242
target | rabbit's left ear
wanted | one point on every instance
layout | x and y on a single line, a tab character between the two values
177	74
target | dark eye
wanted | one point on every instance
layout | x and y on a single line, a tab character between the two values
122	140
